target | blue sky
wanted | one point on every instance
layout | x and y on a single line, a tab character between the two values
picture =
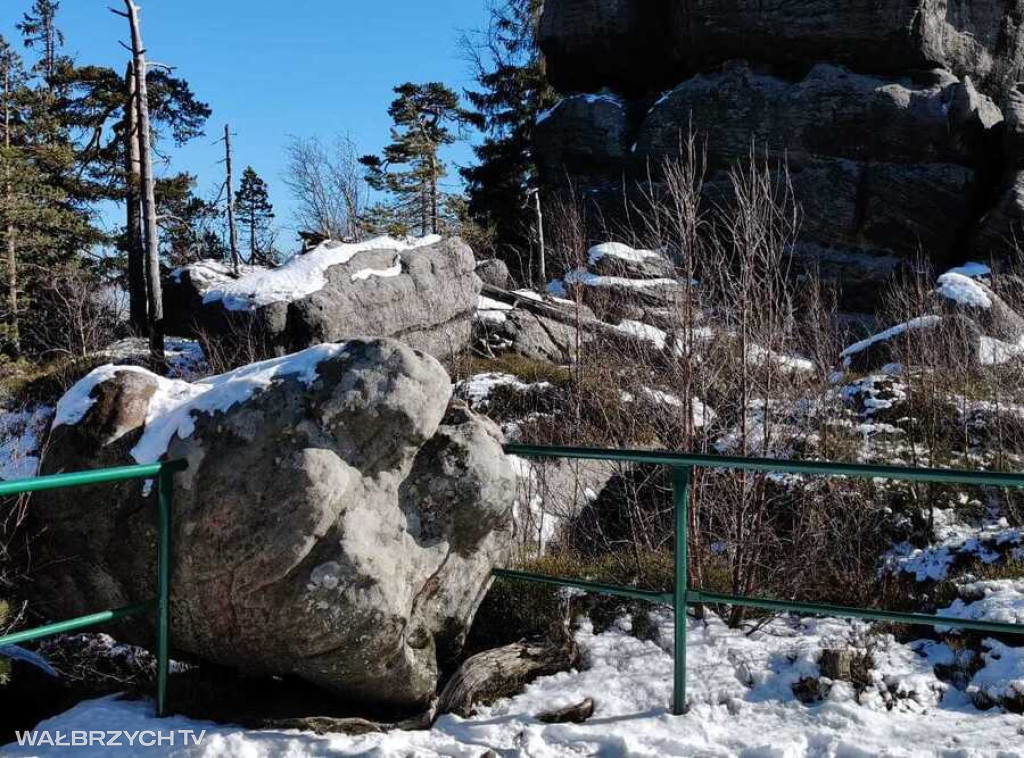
272	68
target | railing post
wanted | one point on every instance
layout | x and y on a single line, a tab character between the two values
681	497
163	623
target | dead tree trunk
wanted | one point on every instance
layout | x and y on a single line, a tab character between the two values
229	188
13	326
148	183
137	305
433	192
503	672
540	239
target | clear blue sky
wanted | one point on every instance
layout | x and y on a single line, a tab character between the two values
272	68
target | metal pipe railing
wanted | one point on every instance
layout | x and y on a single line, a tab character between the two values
682	465
164	473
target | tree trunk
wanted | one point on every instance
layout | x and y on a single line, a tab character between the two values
540	240
137	306
232	229
433	191
504	672
13	326
152	234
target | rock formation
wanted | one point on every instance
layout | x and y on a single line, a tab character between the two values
339	519
890	115
422	291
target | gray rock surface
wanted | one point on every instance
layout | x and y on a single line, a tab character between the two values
634	44
829	112
590	44
429	305
890	114
494	272
583	135
339	525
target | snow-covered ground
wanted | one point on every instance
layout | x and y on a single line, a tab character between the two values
740	692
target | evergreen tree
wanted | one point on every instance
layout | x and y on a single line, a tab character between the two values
256	215
190	225
409	167
513	92
43	225
39	29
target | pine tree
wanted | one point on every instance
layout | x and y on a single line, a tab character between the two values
256	214
43	225
188	222
409	167
514	91
39	29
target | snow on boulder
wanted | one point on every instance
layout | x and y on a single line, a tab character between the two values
338	521
421	290
617	259
958	293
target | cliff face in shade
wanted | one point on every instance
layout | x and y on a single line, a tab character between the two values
889	113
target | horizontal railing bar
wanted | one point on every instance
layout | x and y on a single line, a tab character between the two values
84	478
60	627
580	584
862	470
699	597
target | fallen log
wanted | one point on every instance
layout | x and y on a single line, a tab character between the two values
503	672
571	714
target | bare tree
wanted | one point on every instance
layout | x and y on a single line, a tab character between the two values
230	190
138	307
327	183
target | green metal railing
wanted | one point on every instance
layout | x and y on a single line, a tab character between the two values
164	475
682	465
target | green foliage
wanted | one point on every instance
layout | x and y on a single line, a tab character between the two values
409	168
39	30
189	224
513	92
256	214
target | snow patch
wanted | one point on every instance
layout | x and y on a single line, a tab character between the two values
394	270
921	322
174	405
302	275
620	251
963	290
972	269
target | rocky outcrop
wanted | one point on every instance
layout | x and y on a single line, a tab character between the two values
888	114
422	291
633	45
966	322
338	521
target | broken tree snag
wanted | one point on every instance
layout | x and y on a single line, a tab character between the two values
148	186
836	665
137	297
503	672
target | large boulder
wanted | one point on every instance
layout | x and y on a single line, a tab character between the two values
338	521
829	112
633	45
623	44
983	40
583	135
422	291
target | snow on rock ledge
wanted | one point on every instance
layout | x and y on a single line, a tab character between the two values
421	290
338	520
